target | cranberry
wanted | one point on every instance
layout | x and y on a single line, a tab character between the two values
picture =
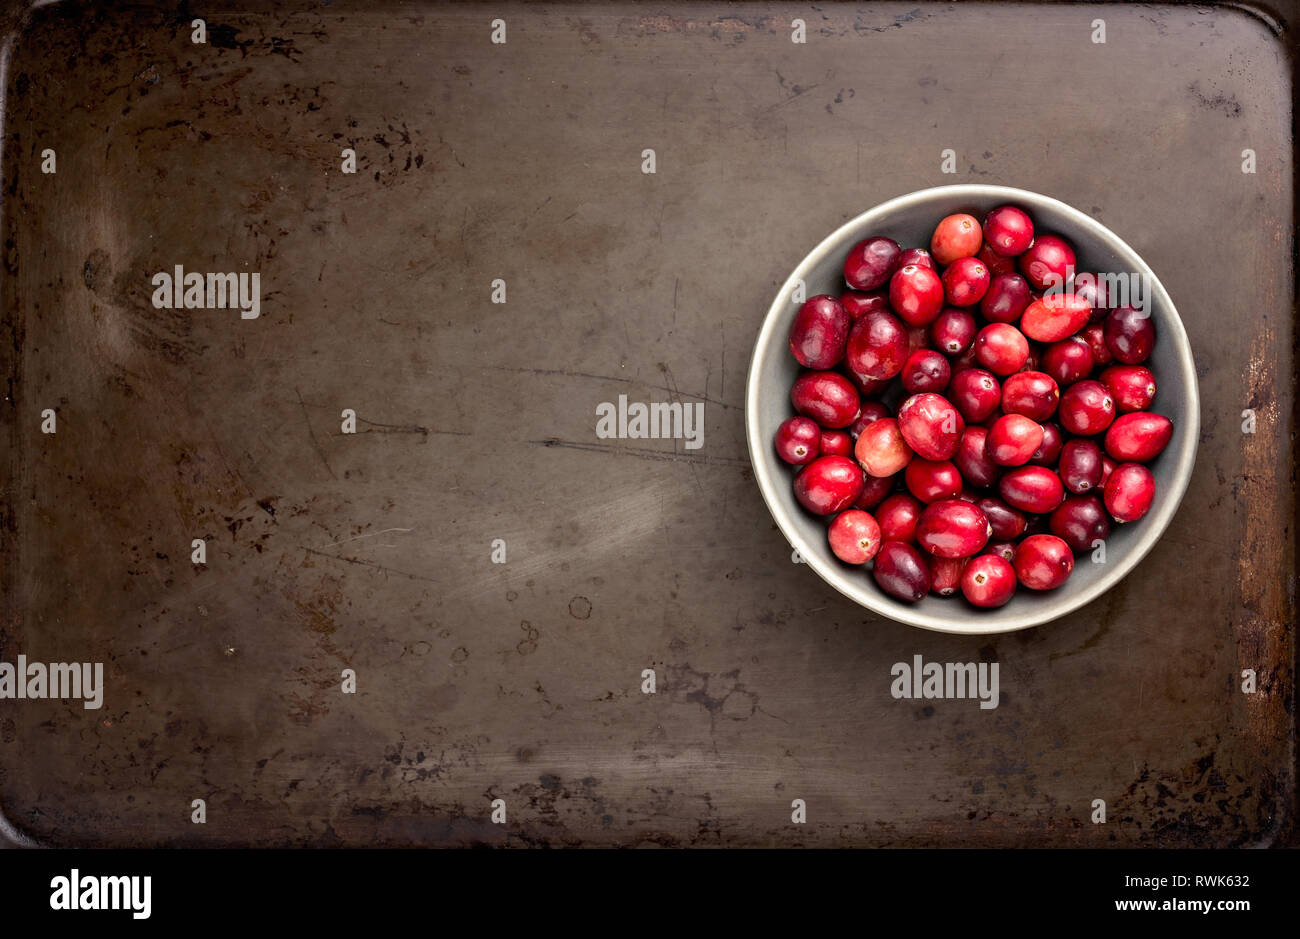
881	449
1093	289
828	484
918	337
1095	337
1013	440
1001	348
1086	408
820	332
871	412
1002	549
952	528
1033	394
874	491
856	303
1008	230
945	574
1130	334
877	346
995	262
932	480
918	256
953	331
988	581
965	281
901	571
1067	361
798	440
1080	521
870	263
1049	260
926	370
957	236
916	294
1049	451
1129	492
836	443
965	360
976	393
898	515
1080	468
1055	317
1032	489
854	536
972	458
1043	562
1107	467
930	425
1138	437
1132	386
868	387
1006	298
826	397
1004	521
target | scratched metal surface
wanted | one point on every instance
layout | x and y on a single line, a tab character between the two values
521	681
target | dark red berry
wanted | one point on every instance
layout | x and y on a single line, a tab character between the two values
1080	521
932	480
972	459
1138	437
1032	489
1132	386
1067	361
877	346
874	491
1006	298
988	581
1086	408
965	281
1049	451
952	528
1095	337
1013	439
916	294
995	262
1033	394
897	517
856	303
901	571
976	393
1129	492
1003	549
826	397
1048	262
829	484
945	574
926	370
871	412
953	331
1130	335
1080	468
798	440
836	443
918	256
871	263
1005	522
1043	562
1008	230
820	332
931	426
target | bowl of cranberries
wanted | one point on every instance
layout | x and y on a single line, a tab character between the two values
972	409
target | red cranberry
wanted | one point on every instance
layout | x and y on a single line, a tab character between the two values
871	412
932	480
952	528
1080	521
1032	489
965	360
957	236
1138	437
854	536
1006	298
828	484
1002	549
1033	394
931	426
1049	451
1067	361
1013	440
1107	467
1095	337
995	262
1129	492
874	491
918	256
953	331
1132	386
972	458
945	574
918	337
836	443
1093	289
901	571
1055	317
976	393
898	515
798	440
965	281
871	263
1001	348
1130	334
1048	261
988	581
916	294
1008	230
819	333
877	346
1043	562
826	397
868	387
1080	468
1086	408
881	449
1005	522
926	370
856	303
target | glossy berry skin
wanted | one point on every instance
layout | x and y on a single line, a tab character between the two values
1079	521
1003	549
871	412
798	441
826	397
819	333
1043	562
857	302
1093	288
1129	492
953	331
1138	437
1067	361
1086	408
931	426
877	346
916	294
932	480
898	515
1034	489
1006	299
965	281
1055	317
901	571
952	528
945	574
1033	394
854	536
918	256
871	263
925	370
1132	386
1048	261
988	581
1130	335
972	459
1107	467
1005	522
957	236
1001	348
836	443
996	263
1080	466
874	491
881	449
1095	337
1049	451
976	393
1008	230
828	484
1013	439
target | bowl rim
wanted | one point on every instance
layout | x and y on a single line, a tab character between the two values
1154	525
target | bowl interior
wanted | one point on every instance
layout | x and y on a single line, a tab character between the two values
910	220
